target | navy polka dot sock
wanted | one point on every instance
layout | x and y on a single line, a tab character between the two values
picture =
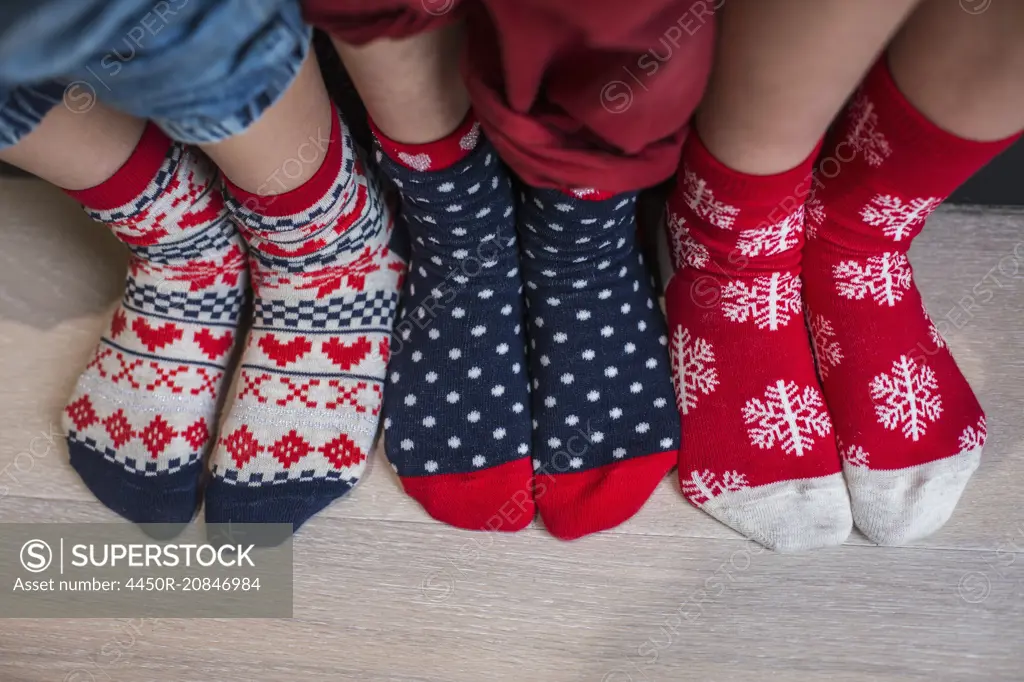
456	401
606	430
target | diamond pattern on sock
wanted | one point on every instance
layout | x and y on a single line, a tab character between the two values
605	429
758	450
142	414
909	428
457	404
310	381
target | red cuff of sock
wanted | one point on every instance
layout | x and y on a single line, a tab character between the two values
131	178
433	156
734	187
303	197
907	125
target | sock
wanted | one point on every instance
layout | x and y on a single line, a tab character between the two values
910	429
309	391
605	429
758	450
142	413
456	405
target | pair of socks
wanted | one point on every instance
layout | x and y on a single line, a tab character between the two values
143	416
530	369
768	289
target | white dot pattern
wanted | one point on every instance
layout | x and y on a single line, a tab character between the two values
457	391
602	389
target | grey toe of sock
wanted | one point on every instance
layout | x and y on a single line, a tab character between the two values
896	506
788	516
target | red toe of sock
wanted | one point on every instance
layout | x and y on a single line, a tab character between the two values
577	504
497	499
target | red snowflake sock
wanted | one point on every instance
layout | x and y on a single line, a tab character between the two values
909	428
311	378
142	413
758	451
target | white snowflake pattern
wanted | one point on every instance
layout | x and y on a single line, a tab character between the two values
769	301
685	249
973	437
693	369
701	486
814	211
907	397
854	455
933	331
788	417
897	219
827	353
773	239
863	134
886	278
702	202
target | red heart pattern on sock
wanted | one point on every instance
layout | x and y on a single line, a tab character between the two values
284	354
213	347
155	338
346	356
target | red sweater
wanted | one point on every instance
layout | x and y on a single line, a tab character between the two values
572	93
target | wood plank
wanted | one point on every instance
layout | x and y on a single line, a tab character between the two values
379	600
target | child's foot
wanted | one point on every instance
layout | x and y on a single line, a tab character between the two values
144	410
456	405
605	428
309	391
910	429
758	450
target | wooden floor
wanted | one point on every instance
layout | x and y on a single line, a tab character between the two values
383	593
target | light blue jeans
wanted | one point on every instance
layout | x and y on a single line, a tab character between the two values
203	70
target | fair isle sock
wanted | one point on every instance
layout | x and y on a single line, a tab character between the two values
311	378
910	429
758	449
606	430
143	412
457	404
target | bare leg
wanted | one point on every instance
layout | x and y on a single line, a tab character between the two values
77	150
276	154
411	87
965	72
286	146
783	70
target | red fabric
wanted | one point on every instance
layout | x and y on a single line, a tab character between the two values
738	340
573	95
361	21
131	178
875	339
432	156
497	499
580	503
587	193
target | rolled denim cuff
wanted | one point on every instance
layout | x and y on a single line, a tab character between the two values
286	58
22	109
203	70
